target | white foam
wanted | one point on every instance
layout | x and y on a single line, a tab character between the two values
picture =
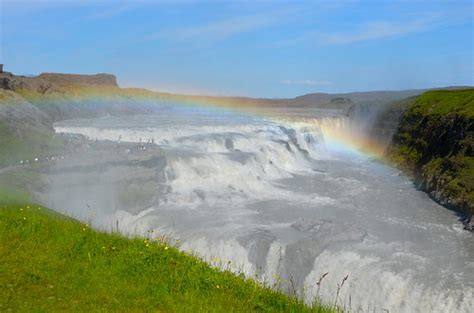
232	180
372	285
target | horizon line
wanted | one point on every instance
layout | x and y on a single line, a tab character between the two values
161	91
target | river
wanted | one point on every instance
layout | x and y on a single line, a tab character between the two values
280	200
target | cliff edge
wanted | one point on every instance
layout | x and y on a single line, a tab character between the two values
76	79
434	143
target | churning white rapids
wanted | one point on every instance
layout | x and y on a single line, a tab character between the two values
280	201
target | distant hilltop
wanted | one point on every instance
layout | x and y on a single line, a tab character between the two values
62	85
55	82
77	79
59	83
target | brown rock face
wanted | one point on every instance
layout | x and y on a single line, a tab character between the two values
75	79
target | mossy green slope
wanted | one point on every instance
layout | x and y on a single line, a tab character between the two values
50	263
435	143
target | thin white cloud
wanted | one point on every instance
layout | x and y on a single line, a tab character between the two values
111	8
112	11
226	28
307	82
222	29
105	8
376	31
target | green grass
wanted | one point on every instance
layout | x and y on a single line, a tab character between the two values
12	194
50	263
16	185
445	102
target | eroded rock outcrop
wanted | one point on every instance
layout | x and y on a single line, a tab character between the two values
88	80
435	143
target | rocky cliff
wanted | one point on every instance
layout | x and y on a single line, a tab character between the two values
91	80
30	105
53	82
434	142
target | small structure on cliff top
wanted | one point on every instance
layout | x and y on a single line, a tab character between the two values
1	68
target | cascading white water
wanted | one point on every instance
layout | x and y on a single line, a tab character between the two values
279	203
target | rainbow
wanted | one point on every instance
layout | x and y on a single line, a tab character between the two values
338	131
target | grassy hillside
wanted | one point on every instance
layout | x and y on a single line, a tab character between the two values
445	103
25	143
51	263
435	143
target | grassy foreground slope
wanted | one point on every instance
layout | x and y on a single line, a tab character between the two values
435	143
50	263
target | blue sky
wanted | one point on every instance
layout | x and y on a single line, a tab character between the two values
250	48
